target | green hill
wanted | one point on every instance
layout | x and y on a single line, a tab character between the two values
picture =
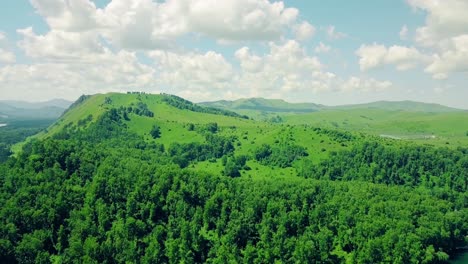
281	106
276	110
406	120
141	178
441	128
410	106
265	105
174	118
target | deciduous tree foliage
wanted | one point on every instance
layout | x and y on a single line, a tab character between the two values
104	195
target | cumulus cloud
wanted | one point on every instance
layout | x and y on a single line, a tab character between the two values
332	33
364	85
445	33
150	24
7	56
404	32
304	30
375	55
109	71
445	19
68	15
194	72
443	39
144	24
452	58
59	44
89	49
322	48
239	19
285	68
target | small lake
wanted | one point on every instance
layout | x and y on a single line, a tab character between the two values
3	125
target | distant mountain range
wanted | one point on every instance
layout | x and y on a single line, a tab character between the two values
267	105
281	106
54	108
33	110
411	106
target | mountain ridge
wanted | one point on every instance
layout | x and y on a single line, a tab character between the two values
262	104
57	102
52	109
280	105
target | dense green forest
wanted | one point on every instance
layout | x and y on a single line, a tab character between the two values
18	130
98	190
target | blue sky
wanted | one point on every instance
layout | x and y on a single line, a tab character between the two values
329	52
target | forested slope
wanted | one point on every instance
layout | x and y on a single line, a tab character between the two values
120	186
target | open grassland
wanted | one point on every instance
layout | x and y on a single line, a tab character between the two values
425	128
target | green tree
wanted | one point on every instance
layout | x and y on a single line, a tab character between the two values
155	132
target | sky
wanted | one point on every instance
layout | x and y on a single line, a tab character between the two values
329	52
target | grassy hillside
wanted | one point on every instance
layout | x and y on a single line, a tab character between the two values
174	124
418	122
427	128
401	106
156	179
441	129
265	105
281	106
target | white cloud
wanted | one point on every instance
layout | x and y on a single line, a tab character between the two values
322	48
333	34
364	85
284	69
90	49
445	33
68	15
443	37
404	32
7	56
204	76
248	61
144	24
150	24
445	19
239	19
375	55
60	45
453	58
192	71
108	72
304	31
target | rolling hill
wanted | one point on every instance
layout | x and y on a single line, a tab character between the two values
278	106
174	114
265	105
32	110
157	179
410	106
406	120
